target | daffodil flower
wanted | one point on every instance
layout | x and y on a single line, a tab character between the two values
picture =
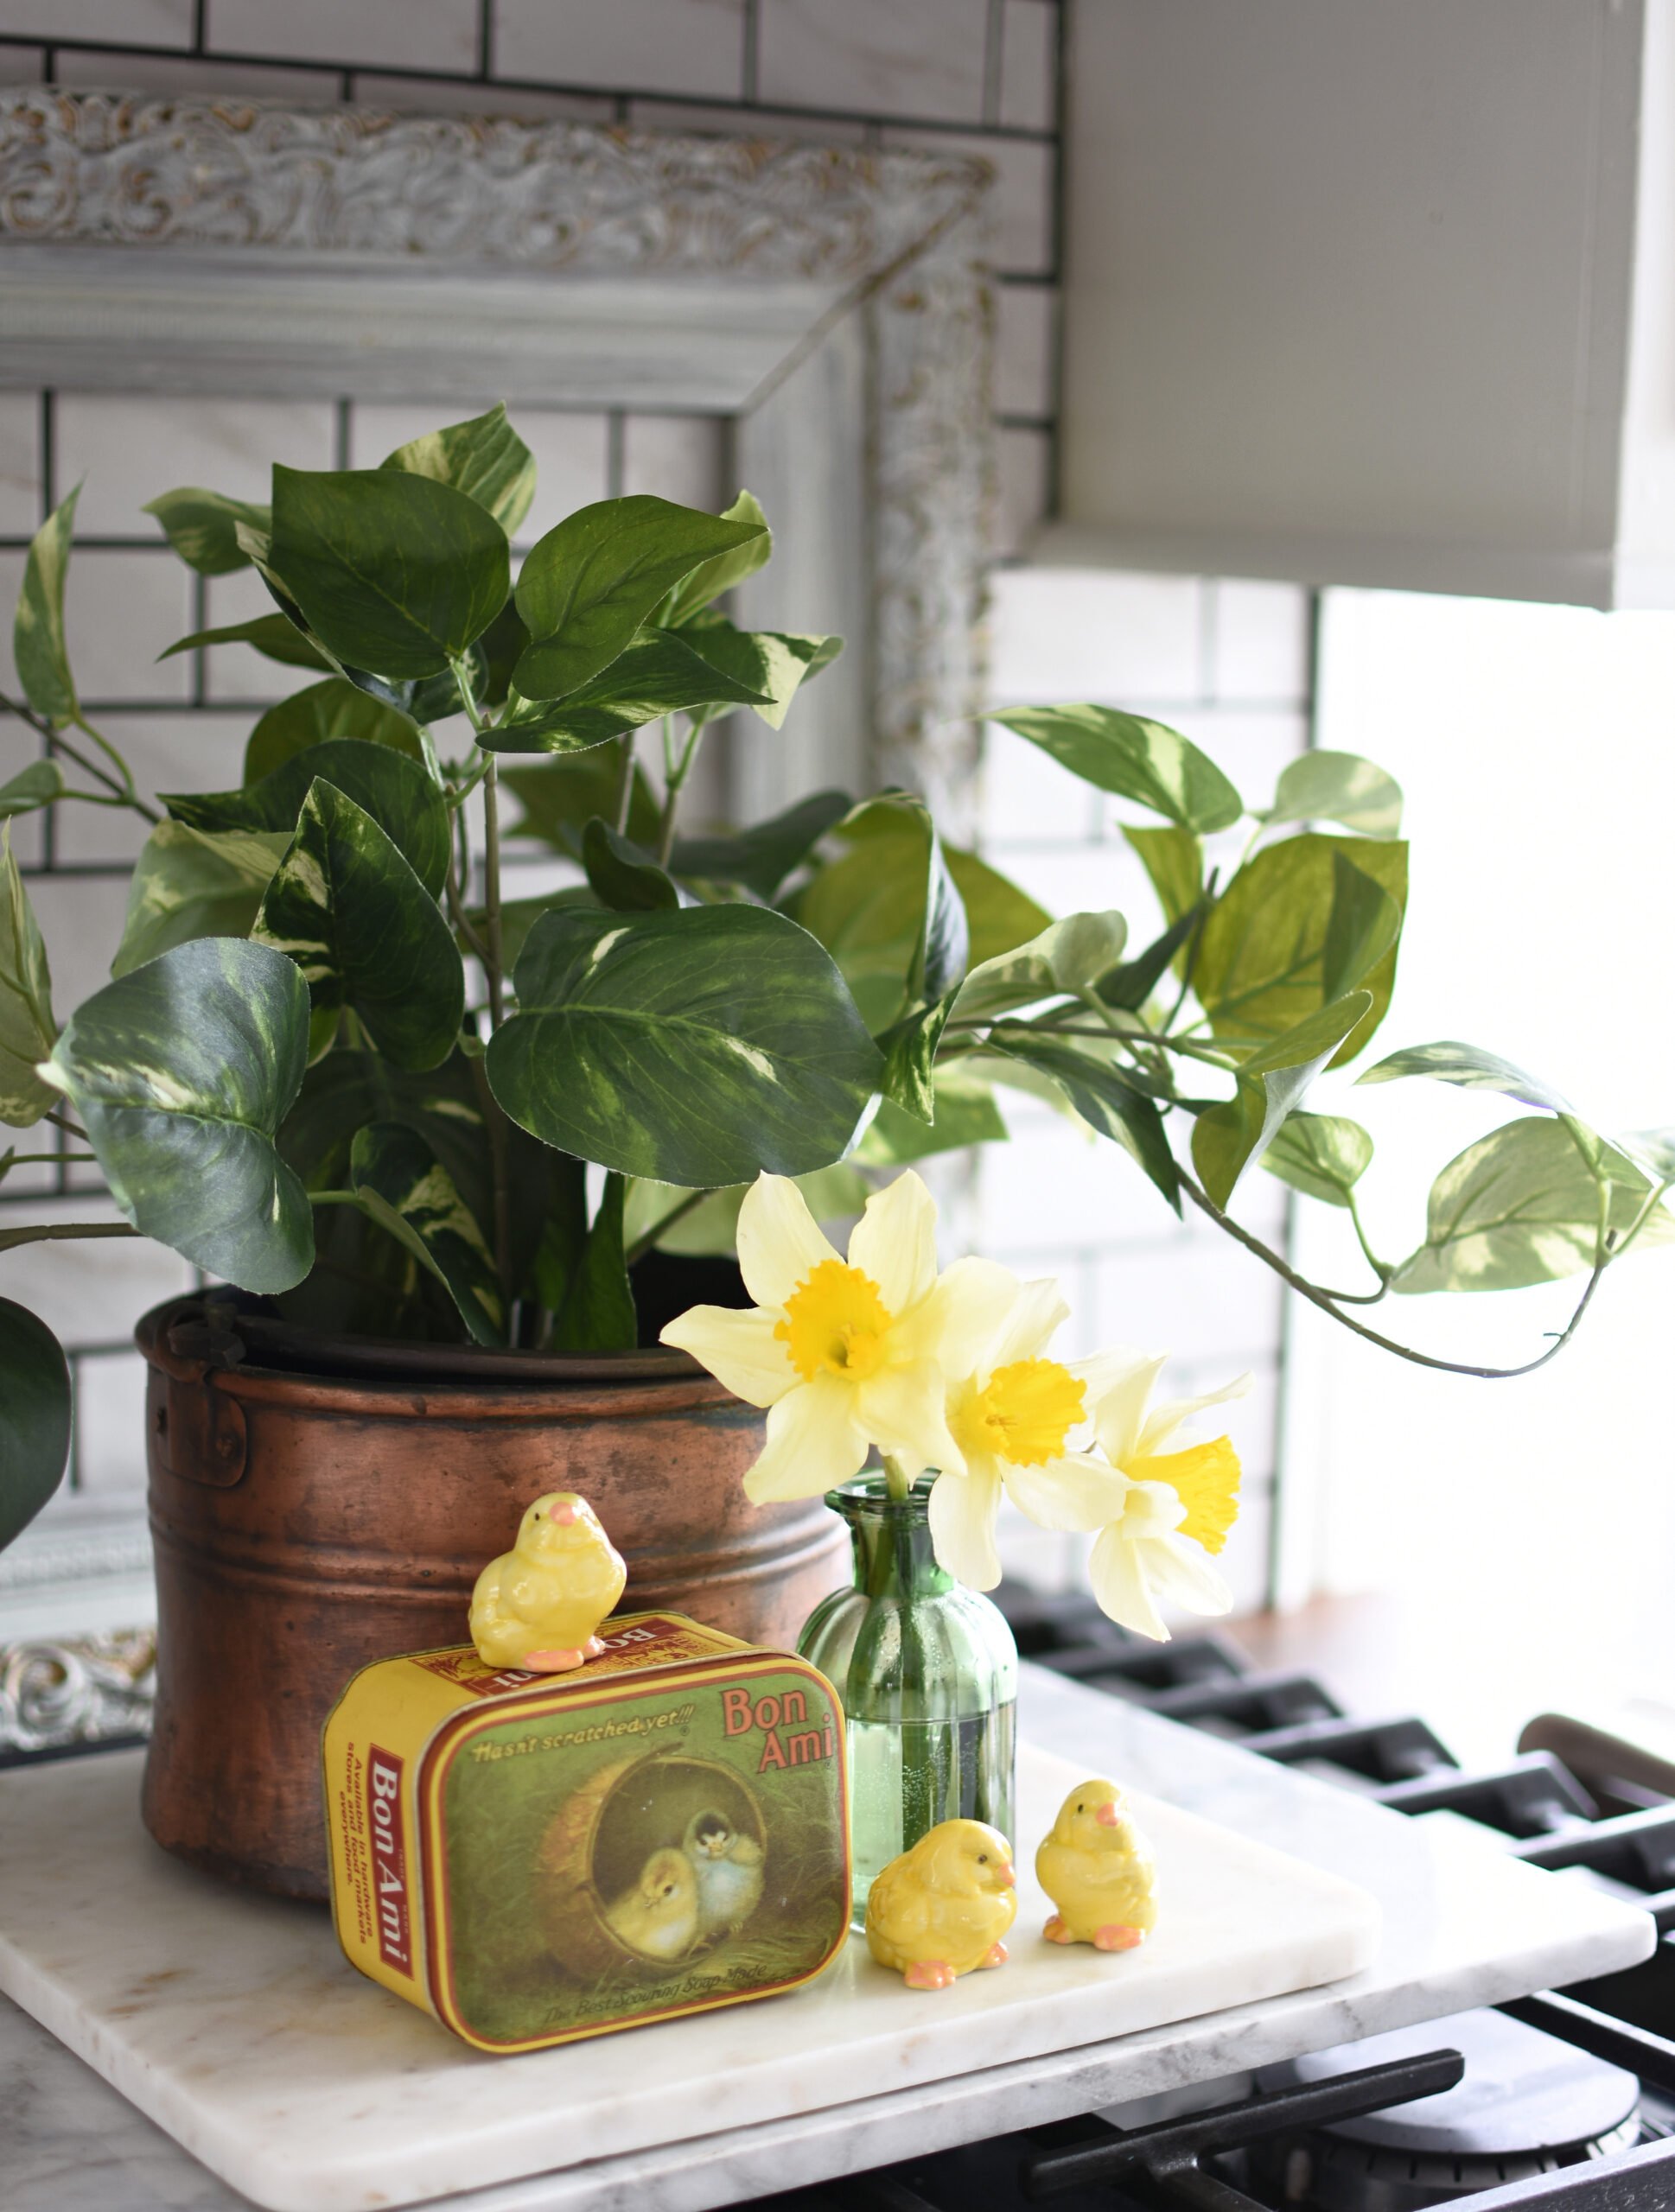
845	1353
1180	1498
1015	1417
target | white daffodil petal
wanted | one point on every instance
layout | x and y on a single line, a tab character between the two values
961	1318
1029	1327
963	1509
1180	1573
1119	1586
1076	1492
813	1444
780	1241
895	1242
1119	1412
902	1410
1152	1509
1163	1421
739	1349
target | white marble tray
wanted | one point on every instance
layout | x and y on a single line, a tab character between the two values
234	2022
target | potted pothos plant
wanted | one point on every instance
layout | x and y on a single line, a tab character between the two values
345	1077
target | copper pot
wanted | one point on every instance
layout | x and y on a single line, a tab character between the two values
317	1504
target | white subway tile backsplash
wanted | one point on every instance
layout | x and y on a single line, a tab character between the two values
1021	197
135	22
675	457
1028	64
1026	320
1103	634
105	69
522	103
188	751
20	465
694	47
239	671
1024	464
1200	1300
80	918
875	56
109	1423
122	610
754	122
130	448
571	453
90	1291
1260	633
1065	1190
418	34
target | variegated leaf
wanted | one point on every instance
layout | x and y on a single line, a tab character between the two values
403	1186
365	932
181	1074
34	1417
696	1047
26	1026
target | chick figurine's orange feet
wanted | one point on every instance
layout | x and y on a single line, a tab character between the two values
929	1973
1118	1939
1056	1932
558	1663
996	1957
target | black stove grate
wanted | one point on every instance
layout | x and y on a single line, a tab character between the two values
1609	1823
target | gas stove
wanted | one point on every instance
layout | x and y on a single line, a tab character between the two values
1564	2101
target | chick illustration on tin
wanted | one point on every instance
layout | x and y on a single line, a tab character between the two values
727	1866
1098	1869
538	1606
940	1908
658	1916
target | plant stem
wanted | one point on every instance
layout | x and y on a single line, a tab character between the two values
62	1231
1324	1299
491	931
624	784
495	1124
675	785
69	1127
125	793
897	1481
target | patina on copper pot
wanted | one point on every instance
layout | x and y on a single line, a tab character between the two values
317	1504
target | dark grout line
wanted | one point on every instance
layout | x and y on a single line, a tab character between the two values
751	46
994	43
958	125
485	39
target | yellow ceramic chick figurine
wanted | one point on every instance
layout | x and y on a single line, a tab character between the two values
1098	1869
537	1605
940	1910
657	1916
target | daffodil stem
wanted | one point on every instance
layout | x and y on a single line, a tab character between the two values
897	1481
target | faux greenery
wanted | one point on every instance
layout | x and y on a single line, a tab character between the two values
333	1065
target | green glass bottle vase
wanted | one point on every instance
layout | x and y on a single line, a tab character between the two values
928	1674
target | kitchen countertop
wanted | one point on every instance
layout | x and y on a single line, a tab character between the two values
1463	1925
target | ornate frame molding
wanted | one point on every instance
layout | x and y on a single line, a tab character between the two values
243	245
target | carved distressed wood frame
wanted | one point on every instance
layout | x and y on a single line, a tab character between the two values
832	301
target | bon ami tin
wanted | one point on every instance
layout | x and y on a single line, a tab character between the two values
534	1858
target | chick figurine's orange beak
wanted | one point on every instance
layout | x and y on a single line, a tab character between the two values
563	1516
1006	1877
1108	1816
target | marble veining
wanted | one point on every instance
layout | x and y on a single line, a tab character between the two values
1462	1926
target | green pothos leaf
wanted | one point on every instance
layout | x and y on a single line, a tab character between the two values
181	1073
1271	1083
402	1185
1322	1155
39	649
597	1313
484	458
35	1425
26	1026
365	932
1526	1205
